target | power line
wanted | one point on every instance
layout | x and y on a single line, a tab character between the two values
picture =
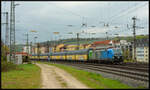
83	17
122	11
66	10
129	11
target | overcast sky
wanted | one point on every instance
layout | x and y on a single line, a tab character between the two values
55	16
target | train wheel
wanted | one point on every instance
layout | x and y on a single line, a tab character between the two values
121	63
115	63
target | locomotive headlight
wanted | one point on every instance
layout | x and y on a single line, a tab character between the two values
113	57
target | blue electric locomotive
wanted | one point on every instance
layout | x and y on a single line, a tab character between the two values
113	55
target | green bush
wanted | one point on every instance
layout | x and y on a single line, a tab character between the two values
130	60
29	62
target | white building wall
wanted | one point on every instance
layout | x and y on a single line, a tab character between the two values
124	42
25	49
18	58
146	54
140	54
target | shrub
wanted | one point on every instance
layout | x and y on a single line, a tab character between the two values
29	62
6	66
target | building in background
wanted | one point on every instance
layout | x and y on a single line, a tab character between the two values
19	57
71	47
42	50
105	44
142	50
26	50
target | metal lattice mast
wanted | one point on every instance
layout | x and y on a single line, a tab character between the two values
14	43
77	41
27	43
7	30
30	47
134	18
106	36
134	35
12	32
6	33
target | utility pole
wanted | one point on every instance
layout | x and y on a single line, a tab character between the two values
134	26
134	35
47	46
27	44
106	36
78	41
31	47
38	46
12	32
35	44
6	32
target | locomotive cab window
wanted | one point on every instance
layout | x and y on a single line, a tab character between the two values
117	51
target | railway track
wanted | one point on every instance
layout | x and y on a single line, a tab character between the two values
136	65
123	66
134	68
129	72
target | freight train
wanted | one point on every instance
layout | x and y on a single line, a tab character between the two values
109	55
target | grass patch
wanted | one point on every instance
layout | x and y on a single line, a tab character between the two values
25	77
92	80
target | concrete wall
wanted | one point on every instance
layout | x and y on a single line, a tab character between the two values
18	59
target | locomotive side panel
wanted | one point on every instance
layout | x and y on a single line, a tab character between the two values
103	55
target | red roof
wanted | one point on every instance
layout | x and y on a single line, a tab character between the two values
106	42
102	42
24	53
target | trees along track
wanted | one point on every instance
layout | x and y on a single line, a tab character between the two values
141	74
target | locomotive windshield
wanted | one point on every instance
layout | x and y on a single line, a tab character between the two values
117	51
